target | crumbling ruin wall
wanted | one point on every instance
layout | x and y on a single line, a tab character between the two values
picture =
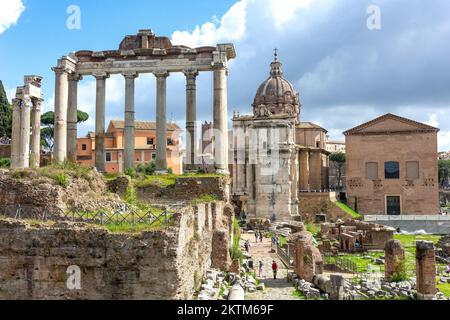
187	189
160	264
311	204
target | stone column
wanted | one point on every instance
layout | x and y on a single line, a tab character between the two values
191	118
161	122
425	270
129	138
61	100
220	114
24	152
72	117
100	119
35	157
394	259
15	134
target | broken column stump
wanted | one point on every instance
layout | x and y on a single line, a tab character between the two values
394	260
425	270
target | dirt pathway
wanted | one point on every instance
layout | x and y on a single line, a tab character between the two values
278	289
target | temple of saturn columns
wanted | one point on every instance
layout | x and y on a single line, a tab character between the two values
137	54
26	109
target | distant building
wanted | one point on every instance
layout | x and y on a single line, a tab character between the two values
335	146
392	167
145	146
444	155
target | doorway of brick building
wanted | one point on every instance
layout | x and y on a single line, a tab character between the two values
393	205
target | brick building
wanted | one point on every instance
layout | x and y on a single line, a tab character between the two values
145	146
392	167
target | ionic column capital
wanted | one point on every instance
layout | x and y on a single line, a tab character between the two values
161	74
130	74
75	77
60	70
191	74
100	75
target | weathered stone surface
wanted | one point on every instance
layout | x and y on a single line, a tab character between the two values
160	264
308	260
119	185
394	258
425	270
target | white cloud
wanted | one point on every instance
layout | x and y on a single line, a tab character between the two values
231	27
285	10
443	136
10	11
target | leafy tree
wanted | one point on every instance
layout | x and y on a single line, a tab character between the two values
444	173
338	160
5	114
48	123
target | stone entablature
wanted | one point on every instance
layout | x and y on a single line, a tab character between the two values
142	53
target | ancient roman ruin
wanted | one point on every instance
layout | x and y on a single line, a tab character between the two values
138	54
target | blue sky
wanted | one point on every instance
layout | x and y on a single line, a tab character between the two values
345	72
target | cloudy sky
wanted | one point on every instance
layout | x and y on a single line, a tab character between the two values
346	73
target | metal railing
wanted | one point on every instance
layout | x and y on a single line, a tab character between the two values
286	255
342	262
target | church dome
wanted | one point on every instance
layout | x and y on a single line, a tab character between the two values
276	95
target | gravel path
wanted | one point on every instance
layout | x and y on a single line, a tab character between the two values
278	289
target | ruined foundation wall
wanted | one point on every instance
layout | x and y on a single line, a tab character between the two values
160	264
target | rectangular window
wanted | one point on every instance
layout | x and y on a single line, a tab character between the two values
372	171
412	170
108	156
150	141
392	170
84	147
153	156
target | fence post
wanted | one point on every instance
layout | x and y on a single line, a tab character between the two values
133	221
101	217
166	222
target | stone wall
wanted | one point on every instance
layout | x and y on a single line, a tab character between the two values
159	264
312	203
187	189
5	151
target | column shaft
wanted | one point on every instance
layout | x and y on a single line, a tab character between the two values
100	119
72	118
191	119
24	153
35	158
15	134
61	99
161	123
129	143
220	120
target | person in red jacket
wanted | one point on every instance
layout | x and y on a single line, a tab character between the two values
274	269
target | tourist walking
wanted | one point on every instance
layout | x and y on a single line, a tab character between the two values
261	266
274	269
256	236
261	236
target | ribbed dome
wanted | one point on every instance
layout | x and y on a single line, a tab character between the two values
276	95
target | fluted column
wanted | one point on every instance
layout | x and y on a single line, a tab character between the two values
129	143
220	119
191	118
61	100
161	122
100	119
72	117
15	134
24	153
35	157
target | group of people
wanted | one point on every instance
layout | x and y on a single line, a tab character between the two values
275	240
259	236
274	269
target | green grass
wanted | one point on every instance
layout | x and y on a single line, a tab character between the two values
313	228
130	228
444	288
298	294
409	244
205	199
236	252
348	210
161	181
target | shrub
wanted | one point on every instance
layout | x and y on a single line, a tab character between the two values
131	172
146	169
62	180
5	162
401	274
131	195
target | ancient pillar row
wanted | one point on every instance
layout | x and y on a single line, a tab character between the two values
191	118
129	131
100	119
425	270
61	101
15	134
35	157
24	152
161	122
220	121
394	259
72	117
